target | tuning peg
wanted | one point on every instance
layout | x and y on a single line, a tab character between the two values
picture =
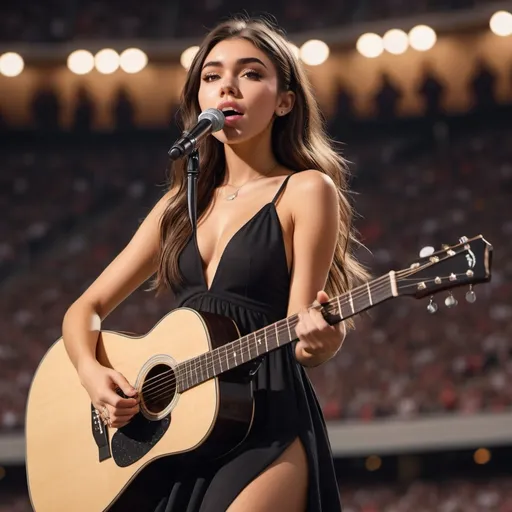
450	301
432	306
471	295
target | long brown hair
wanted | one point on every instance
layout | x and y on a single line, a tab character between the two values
299	142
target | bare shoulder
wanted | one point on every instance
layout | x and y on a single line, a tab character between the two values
311	188
311	181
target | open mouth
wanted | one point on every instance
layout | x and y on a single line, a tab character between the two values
230	113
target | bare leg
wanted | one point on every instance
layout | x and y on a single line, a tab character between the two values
282	486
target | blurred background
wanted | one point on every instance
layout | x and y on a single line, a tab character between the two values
420	96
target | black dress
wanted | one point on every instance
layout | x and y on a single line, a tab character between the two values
251	286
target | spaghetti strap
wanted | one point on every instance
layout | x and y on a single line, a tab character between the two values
281	188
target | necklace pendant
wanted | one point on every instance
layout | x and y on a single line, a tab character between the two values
232	196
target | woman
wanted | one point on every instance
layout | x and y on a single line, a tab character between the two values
268	238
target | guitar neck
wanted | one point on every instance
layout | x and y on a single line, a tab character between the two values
247	348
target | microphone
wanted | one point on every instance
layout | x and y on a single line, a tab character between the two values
209	121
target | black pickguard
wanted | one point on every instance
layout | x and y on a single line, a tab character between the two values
132	442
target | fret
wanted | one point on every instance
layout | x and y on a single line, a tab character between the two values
277	335
345	309
226	356
195	371
351	300
257	342
381	289
241	350
289	330
220	361
360	297
187	372
369	294
340	311
266	340
207	364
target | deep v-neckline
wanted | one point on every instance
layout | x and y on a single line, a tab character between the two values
202	266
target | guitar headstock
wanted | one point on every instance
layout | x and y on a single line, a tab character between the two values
466	263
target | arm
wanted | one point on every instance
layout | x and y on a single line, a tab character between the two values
134	265
314	241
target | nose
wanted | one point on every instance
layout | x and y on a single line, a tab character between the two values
228	87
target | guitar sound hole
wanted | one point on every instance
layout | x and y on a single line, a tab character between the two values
159	388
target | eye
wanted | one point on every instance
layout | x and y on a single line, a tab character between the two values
252	74
209	77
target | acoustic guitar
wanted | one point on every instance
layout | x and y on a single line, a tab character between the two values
191	374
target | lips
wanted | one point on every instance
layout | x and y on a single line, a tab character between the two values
231	109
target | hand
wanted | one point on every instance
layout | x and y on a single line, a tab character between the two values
100	383
318	341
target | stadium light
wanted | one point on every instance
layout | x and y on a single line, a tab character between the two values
422	38
133	60
370	45
106	61
314	52
501	23
80	62
11	64
188	55
395	41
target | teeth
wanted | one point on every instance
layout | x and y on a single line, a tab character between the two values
228	109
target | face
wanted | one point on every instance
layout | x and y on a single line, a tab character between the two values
241	80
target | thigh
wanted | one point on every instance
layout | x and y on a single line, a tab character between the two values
282	486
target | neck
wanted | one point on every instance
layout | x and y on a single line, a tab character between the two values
199	369
249	159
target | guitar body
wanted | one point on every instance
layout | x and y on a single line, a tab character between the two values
196	398
74	462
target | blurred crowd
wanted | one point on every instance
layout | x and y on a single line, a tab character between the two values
402	361
63	20
493	495
411	191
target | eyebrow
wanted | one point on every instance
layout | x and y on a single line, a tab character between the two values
244	60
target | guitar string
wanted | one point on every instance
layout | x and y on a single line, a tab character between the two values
245	342
355	296
169	384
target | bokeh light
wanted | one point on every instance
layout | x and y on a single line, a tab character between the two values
422	38
188	55
373	463
11	64
482	456
133	60
395	41
370	45
501	23
314	52
81	62
106	61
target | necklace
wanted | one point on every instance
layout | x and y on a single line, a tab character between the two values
234	195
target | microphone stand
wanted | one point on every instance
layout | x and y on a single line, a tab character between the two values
192	176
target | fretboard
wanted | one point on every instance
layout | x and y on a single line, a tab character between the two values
247	348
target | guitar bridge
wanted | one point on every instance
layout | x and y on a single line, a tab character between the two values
100	434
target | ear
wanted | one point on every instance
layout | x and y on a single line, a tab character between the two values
285	103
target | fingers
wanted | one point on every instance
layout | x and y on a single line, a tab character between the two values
123	384
117	418
112	398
